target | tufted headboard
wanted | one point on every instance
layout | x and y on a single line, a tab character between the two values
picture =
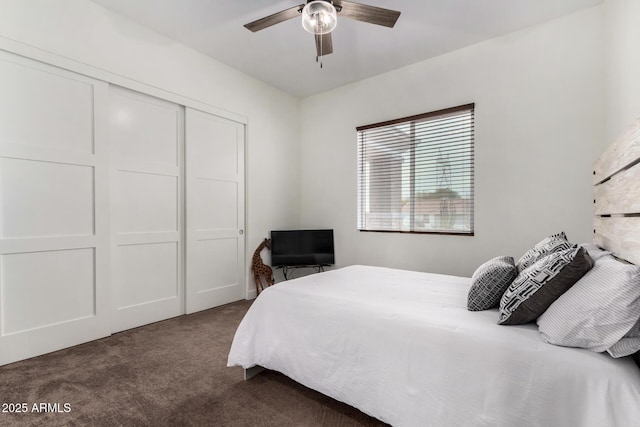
616	179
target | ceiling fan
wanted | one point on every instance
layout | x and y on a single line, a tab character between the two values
319	17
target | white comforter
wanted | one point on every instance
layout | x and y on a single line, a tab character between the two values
402	347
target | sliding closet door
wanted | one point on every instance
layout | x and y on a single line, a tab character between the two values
54	204
215	210
146	136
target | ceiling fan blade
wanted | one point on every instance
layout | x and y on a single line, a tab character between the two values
365	13
324	45
274	19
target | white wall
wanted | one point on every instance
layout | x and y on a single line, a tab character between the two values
539	127
87	33
622	65
539	97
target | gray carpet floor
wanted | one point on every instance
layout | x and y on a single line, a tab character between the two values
170	373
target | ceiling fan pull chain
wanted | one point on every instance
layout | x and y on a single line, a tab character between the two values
321	51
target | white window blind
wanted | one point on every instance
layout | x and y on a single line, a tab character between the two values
416	174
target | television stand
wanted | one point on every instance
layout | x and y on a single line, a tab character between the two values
287	269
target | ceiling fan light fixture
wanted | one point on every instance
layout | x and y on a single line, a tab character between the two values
319	17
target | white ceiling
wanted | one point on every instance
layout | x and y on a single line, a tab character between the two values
284	55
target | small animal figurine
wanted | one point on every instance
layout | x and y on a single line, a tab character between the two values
259	269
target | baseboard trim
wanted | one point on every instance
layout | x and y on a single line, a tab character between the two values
252	294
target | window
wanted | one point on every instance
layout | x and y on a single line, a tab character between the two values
416	174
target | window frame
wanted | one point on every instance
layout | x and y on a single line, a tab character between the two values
411	120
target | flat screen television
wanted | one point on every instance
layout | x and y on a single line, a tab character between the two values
301	247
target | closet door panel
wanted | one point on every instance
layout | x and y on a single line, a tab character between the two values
146	137
212	261
49	108
146	130
29	301
216	159
217	204
155	264
54	203
148	202
45	199
215	210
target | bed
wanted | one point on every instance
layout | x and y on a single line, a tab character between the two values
403	347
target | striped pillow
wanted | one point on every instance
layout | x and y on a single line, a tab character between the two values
598	310
628	344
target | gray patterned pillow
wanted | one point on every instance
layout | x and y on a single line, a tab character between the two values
539	285
553	243
489	282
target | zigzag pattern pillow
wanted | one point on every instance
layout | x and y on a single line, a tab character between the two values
553	243
489	282
539	285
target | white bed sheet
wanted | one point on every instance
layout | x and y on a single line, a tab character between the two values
401	346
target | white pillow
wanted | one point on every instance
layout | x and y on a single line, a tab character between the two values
595	251
628	344
598	310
